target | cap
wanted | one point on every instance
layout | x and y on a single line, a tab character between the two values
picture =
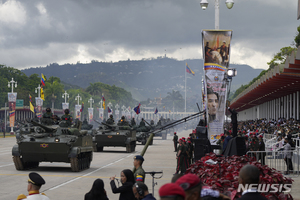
36	179
171	189
190	142
222	134
189	138
188	181
139	157
174	133
183	138
260	136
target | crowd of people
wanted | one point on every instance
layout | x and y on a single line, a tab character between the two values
181	187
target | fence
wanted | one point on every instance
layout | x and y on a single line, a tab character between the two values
275	159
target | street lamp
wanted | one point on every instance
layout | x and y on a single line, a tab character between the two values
204	5
12	100
65	95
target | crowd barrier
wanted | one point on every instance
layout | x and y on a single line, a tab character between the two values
275	159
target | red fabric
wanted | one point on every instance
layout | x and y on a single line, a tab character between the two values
188	181
171	189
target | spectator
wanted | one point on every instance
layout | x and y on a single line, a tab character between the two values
288	156
127	180
97	192
249	174
227	138
35	183
140	191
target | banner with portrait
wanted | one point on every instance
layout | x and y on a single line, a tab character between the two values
91	114
65	106
12	98
216	55
101	113
77	111
39	106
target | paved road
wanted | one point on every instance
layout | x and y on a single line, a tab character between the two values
62	183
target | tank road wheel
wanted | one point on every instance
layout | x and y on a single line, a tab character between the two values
99	148
18	163
74	164
128	148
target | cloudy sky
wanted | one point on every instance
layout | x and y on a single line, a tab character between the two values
35	33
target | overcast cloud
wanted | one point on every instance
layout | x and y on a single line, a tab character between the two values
35	33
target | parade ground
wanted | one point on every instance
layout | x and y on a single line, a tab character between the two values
62	183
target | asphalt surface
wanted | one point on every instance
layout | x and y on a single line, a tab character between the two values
62	183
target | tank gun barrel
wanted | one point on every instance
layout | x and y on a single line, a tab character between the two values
47	129
110	126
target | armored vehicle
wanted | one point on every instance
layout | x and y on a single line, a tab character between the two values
116	136
53	143
143	133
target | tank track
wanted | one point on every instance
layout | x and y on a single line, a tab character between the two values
81	162
20	165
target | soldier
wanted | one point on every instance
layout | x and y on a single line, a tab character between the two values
142	123
110	120
175	140
123	122
152	122
35	183
48	113
67	117
133	123
190	150
181	164
139	173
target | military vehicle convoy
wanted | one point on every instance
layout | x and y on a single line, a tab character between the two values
114	136
38	142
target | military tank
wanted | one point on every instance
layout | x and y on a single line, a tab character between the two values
53	143
114	136
143	133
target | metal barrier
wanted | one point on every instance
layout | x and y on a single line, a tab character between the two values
268	136
275	159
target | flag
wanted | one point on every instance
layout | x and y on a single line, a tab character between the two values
82	106
169	111
137	109
30	98
32	109
43	80
156	111
42	94
164	107
103	104
188	69
108	110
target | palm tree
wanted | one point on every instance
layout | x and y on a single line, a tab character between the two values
175	98
53	87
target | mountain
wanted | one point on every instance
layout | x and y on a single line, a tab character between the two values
146	78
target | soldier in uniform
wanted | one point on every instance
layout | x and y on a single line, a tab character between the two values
67	117
133	123
139	173
142	123
35	183
181	158
123	122
175	140
110	120
48	113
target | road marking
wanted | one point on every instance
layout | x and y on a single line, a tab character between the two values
6	165
85	175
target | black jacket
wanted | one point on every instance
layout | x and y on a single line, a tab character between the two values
251	196
125	190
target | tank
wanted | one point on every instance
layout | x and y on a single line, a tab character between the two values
114	136
52	143
142	134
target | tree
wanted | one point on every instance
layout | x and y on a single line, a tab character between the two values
174	99
53	88
297	38
280	57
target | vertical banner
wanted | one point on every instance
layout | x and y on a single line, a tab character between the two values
65	106
12	98
128	115
39	105
77	111
117	113
101	113
91	114
216	54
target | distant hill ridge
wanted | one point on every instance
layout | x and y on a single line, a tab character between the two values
147	78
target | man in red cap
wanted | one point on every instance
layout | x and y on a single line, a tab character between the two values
171	191
181	161
175	140
190	148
